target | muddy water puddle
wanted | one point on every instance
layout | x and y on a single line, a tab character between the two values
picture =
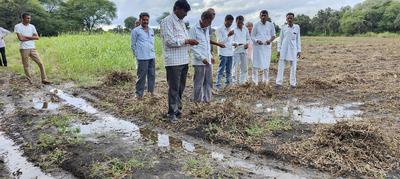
132	133
312	113
18	165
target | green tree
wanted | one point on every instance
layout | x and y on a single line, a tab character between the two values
11	11
305	24
130	22
87	14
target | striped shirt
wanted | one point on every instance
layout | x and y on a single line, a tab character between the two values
174	34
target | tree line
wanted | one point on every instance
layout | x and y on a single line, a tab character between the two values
52	17
369	16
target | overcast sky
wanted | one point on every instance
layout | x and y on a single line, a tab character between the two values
248	8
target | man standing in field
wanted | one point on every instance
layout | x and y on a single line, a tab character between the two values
249	51
202	59
289	49
263	35
27	35
225	36
3	33
241	39
177	44
142	44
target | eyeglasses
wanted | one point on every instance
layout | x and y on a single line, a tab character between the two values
263	15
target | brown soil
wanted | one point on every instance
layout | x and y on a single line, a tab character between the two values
333	71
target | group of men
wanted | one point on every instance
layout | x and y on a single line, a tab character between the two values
235	46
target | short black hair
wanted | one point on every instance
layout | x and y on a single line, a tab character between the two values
207	15
144	14
25	14
264	12
290	14
239	18
229	17
182	4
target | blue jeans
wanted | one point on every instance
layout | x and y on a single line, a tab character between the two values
224	65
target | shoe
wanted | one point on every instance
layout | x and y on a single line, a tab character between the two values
172	118
45	82
278	87
139	98
178	114
293	87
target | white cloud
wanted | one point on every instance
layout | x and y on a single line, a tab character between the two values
247	8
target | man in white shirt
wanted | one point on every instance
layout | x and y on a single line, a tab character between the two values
225	37
202	59
142	44
177	44
249	51
27	35
3	33
263	35
289	49
241	39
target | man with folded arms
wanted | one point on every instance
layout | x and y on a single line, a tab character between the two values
27	35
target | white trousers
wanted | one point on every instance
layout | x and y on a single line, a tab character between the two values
281	71
239	59
265	75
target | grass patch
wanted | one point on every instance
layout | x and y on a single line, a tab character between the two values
117	168
200	168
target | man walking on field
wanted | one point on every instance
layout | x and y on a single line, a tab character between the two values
263	35
27	35
176	53
289	49
3	33
202	59
142	44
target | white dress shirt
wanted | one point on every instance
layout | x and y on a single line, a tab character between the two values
3	33
202	51
241	36
289	42
222	37
174	34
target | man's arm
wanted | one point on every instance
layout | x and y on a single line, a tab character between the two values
133	41
196	50
298	44
22	38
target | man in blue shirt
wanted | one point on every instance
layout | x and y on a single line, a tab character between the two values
142	44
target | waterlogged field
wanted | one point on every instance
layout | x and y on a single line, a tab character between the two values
341	121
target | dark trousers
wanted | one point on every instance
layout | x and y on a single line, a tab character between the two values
176	77
3	56
146	70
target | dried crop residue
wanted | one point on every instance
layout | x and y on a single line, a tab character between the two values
117	78
349	148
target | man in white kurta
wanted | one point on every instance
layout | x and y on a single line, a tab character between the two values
262	36
241	39
289	49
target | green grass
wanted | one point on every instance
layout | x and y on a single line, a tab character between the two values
82	58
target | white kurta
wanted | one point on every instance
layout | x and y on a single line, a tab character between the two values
262	53
289	43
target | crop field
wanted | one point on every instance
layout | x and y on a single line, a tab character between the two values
343	120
